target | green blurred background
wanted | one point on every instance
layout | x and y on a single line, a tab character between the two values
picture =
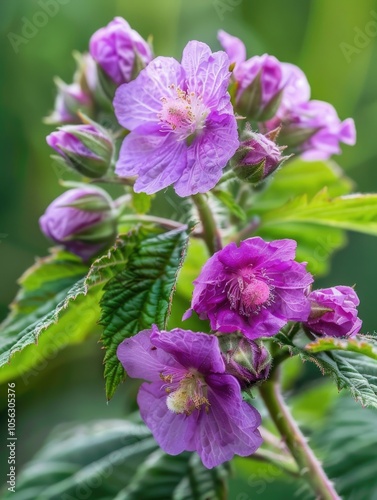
311	34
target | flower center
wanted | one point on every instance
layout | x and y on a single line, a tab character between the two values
184	114
189	395
247	293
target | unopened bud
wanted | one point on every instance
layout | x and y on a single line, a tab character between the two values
87	149
257	157
247	360
83	220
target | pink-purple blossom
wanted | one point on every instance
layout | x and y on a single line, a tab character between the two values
183	129
81	220
266	87
334	312
314	130
254	288
119	50
189	402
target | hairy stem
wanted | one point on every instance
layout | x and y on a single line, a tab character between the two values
168	223
211	234
310	467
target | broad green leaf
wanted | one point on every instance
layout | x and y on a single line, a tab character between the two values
348	440
351	370
356	212
114	459
43	286
140	295
57	306
181	477
299	176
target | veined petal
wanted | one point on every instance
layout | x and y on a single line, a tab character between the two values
191	349
157	158
139	101
233	46
141	359
208	155
173	432
230	427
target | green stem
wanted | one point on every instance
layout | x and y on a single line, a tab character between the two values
310	467
168	223
211	234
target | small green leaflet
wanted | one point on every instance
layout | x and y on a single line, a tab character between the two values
351	363
140	295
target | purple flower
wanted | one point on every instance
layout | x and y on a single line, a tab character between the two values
266	87
314	129
190	403
85	148
183	129
257	157
334	312
69	100
119	50
82	220
255	288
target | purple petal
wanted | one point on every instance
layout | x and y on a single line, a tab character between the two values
158	159
233	46
141	359
139	102
194	54
208	155
230	427
191	349
173	432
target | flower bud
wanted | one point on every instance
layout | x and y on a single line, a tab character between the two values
333	312
257	157
247	360
120	51
87	149
314	130
83	220
71	99
260	87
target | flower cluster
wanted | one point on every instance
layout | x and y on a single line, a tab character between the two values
278	94
184	124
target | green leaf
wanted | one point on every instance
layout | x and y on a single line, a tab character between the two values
348	441
140	295
227	199
351	370
356	212
361	345
297	177
141	202
58	305
114	459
